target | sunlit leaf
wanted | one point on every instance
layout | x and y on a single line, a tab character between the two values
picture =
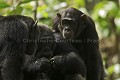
110	69
18	10
27	6
117	23
41	8
4	5
112	8
99	5
104	8
99	10
81	2
26	1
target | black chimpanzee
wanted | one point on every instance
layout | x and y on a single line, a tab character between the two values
66	63
14	29
79	30
38	64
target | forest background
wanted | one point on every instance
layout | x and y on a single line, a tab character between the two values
105	13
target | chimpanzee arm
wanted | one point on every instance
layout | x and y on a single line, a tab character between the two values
36	65
70	63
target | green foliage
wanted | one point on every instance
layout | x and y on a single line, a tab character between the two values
103	13
26	1
42	11
3	5
76	3
110	70
108	7
17	10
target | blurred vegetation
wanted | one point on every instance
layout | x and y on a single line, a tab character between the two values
106	14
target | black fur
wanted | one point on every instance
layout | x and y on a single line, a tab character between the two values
14	30
37	65
80	30
66	63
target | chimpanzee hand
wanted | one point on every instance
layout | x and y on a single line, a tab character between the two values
57	62
43	64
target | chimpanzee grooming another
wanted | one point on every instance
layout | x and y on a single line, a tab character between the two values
37	65
66	63
79	30
33	33
14	30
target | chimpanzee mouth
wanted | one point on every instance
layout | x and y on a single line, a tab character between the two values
67	35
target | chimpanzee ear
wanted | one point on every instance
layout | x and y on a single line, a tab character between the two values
35	23
58	15
34	29
84	17
59	28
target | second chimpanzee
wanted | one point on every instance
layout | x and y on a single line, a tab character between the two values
66	63
79	30
13	31
38	64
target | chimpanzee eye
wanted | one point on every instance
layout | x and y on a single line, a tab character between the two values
72	22
67	22
64	21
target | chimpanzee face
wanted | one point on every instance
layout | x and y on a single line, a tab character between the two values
46	46
71	23
68	26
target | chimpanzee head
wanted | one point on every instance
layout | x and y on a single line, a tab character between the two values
33	32
46	42
70	22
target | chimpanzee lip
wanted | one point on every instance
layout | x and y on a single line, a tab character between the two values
67	35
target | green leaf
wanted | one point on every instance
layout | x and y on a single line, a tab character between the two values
96	10
112	8
104	8
28	6
117	23
42	11
41	8
18	10
4	5
26	1
99	6
79	3
110	69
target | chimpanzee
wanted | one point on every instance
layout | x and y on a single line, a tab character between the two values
33	33
66	63
14	29
38	64
1	17
79	30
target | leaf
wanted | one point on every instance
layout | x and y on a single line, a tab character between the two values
110	69
98	9
4	5
112	8
99	6
28	6
18	10
108	7
26	1
42	11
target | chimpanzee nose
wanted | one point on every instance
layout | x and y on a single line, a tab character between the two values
67	29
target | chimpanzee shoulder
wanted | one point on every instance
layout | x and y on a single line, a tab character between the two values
36	66
13	31
75	25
